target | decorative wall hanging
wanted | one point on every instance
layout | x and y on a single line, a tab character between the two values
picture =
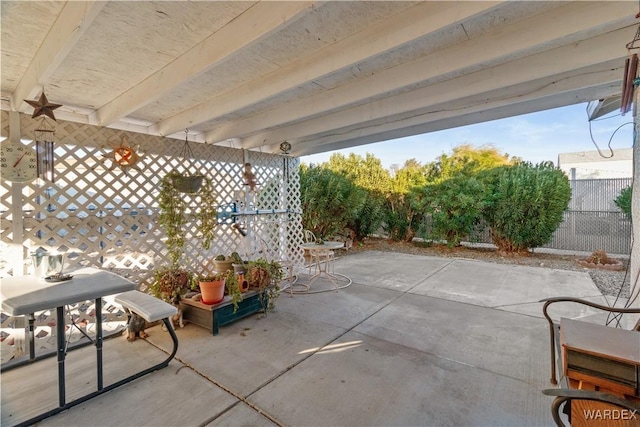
124	156
285	147
43	106
249	177
44	151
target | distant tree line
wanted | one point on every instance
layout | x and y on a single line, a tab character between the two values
445	200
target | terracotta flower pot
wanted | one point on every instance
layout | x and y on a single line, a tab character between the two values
243	284
212	292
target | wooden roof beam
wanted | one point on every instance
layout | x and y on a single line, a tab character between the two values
409	25
547	30
72	22
252	26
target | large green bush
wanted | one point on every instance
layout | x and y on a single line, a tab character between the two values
401	217
367	174
455	206
466	160
623	201
525	204
329	201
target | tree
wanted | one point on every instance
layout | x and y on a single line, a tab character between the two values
369	175
466	160
525	204
329	200
623	201
455	206
400	215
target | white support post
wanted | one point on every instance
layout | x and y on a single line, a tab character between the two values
16	248
634	264
249	238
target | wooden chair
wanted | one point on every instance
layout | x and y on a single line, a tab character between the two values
604	392
612	410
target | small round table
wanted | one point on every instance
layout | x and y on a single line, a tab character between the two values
319	252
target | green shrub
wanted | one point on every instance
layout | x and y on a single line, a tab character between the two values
369	217
623	201
400	217
525	204
330	202
455	206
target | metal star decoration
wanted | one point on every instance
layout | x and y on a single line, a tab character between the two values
43	106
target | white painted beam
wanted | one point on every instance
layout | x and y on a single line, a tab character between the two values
398	30
72	22
258	22
544	31
592	83
584	53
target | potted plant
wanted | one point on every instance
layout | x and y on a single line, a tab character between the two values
222	263
239	266
212	287
170	284
265	276
173	281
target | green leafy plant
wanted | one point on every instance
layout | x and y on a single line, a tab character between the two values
208	277
171	283
623	201
368	175
455	206
233	289
174	215
329	200
525	205
401	216
265	276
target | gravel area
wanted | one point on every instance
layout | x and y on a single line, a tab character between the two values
609	282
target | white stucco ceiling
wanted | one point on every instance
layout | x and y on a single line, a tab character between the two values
320	75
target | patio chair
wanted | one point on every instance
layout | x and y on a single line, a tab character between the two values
328	255
624	409
595	363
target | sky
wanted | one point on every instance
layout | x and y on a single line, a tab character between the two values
534	137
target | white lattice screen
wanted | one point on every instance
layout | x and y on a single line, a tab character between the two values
105	217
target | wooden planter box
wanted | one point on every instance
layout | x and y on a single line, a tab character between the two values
211	317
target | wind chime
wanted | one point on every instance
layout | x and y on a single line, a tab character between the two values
44	151
44	136
285	147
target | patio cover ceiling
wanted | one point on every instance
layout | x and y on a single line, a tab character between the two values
320	75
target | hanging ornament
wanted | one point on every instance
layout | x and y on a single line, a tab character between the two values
285	147
44	151
249	177
43	107
124	155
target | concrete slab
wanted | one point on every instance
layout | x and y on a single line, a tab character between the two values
494	340
251	352
413	341
494	285
389	270
242	415
150	400
367	381
345	308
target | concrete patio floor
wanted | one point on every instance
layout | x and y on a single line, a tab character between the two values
414	340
